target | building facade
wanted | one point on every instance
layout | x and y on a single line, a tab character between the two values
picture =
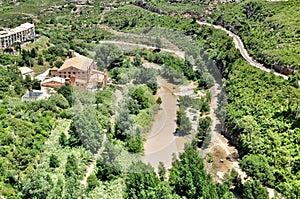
79	67
80	71
21	34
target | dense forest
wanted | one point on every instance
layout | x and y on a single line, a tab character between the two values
45	149
269	30
263	110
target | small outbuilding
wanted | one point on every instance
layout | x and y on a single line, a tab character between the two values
26	71
33	95
54	82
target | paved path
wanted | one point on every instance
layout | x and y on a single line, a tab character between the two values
180	54
240	46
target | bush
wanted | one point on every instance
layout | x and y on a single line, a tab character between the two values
53	161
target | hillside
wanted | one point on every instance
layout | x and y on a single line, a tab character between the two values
88	144
269	29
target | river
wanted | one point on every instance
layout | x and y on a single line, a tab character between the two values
161	142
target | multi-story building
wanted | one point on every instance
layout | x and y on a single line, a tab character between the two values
80	71
21	34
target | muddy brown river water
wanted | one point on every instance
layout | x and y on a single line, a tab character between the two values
161	142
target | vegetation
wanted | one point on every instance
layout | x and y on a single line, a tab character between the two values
203	128
46	146
135	17
186	7
25	126
265	117
268	30
134	117
189	179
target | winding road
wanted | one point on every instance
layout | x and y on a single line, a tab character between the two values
179	54
216	137
218	144
240	46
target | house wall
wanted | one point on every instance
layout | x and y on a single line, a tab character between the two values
7	38
66	73
53	84
82	77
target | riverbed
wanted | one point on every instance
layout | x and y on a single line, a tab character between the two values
161	141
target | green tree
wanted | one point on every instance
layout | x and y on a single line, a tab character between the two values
231	178
37	185
143	96
159	101
72	187
137	61
57	191
58	64
254	190
162	171
135	144
36	84
123	122
63	139
258	168
53	161
189	179
85	129
71	168
17	46
74	139
108	168
140	181
33	53
67	92
28	82
106	54
92	181
40	61
184	125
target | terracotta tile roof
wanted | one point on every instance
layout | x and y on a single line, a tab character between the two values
80	62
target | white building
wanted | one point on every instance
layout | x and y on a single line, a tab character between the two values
21	33
26	71
33	95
